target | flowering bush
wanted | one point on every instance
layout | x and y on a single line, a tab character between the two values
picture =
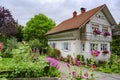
105	52
54	66
97	32
81	75
95	53
53	62
107	34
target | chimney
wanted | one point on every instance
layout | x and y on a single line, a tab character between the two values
74	14
83	10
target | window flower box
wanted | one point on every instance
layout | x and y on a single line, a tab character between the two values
95	53
107	34
105	52
97	32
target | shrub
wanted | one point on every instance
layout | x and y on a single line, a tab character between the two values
8	46
80	58
53	52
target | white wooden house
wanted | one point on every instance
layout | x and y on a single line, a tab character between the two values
76	36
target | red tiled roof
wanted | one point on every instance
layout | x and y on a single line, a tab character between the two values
75	22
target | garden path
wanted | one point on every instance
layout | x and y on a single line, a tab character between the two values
98	75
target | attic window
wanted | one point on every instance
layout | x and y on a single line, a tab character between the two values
100	16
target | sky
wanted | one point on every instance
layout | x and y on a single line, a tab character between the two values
57	10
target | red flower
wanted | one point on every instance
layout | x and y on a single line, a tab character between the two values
106	52
107	34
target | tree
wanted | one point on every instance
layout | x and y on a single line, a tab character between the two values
7	23
19	33
37	27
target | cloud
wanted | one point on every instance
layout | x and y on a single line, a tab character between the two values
58	10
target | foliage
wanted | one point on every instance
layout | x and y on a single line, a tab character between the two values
35	44
110	67
8	45
80	58
7	23
55	53
116	45
19	33
26	64
37	27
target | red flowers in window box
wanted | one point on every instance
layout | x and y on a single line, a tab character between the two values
97	32
105	52
107	34
95	53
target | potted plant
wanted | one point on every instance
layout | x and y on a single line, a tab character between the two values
105	52
107	34
97	32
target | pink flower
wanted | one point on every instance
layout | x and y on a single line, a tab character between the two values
94	67
68	65
78	63
95	53
53	62
73	73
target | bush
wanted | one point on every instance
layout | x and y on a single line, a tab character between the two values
8	46
80	58
55	53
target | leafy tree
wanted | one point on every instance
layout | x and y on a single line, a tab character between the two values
7	23
37	27
19	33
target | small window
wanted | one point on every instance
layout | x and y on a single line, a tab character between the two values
83	46
104	29
93	46
103	47
66	46
53	45
95	27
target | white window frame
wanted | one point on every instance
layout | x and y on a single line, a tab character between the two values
94	27
92	45
66	46
103	47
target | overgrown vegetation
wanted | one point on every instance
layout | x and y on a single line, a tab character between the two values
25	63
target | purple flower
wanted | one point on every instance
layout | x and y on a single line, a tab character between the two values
97	31
94	67
53	62
78	63
73	73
